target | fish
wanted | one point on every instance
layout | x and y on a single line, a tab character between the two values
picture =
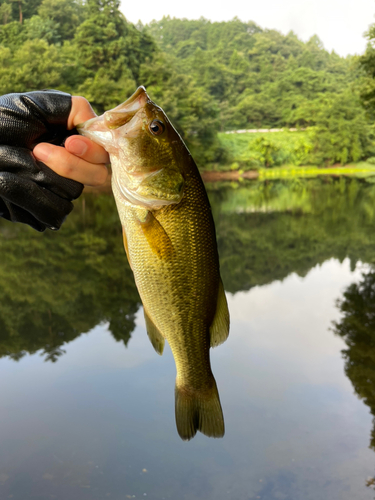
170	242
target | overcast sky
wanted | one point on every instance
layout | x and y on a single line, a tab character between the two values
340	24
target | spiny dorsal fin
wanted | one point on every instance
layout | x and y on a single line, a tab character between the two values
157	339
219	329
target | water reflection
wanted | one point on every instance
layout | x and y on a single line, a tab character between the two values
357	328
268	230
56	286
99	423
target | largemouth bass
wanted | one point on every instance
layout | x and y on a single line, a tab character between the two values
169	238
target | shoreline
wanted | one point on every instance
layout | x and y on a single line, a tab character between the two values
207	176
272	173
231	175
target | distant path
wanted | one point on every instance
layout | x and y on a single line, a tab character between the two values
262	130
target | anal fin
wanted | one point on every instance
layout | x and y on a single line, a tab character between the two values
156	338
219	329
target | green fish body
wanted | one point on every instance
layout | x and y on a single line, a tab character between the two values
169	238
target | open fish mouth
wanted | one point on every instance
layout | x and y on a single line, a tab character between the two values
100	128
136	135
123	113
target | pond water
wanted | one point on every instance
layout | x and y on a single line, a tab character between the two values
87	406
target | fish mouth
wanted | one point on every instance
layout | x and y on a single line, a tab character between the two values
123	113
99	129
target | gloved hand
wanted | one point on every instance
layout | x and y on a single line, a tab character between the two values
30	192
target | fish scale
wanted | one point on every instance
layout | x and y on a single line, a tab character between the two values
169	237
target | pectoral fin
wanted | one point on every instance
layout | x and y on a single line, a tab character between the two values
157	238
157	339
219	329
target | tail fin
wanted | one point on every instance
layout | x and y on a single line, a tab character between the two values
198	411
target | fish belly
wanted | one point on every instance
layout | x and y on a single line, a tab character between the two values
174	259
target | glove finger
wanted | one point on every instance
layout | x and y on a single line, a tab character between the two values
18	214
32	117
45	206
61	186
21	161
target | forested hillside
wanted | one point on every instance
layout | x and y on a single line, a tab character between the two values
263	79
259	78
209	77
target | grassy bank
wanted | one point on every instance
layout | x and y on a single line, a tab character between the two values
274	150
249	151
362	169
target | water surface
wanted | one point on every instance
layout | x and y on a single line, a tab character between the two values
87	406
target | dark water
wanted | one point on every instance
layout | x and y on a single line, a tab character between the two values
87	407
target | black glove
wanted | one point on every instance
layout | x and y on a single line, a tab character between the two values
30	192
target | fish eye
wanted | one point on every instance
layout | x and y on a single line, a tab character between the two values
157	127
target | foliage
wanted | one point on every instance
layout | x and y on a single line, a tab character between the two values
209	77
361	170
268	149
19	71
24	8
263	79
98	54
66	14
367	63
342	133
189	108
37	28
260	78
5	12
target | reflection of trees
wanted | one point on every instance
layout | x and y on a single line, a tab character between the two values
55	286
268	230
357	328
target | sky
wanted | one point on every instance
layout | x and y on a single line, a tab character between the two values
340	24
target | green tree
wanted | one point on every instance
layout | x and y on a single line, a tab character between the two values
5	12
342	132
191	110
24	9
35	65
108	52
367	63
67	14
12	35
208	76
37	28
257	78
106	40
